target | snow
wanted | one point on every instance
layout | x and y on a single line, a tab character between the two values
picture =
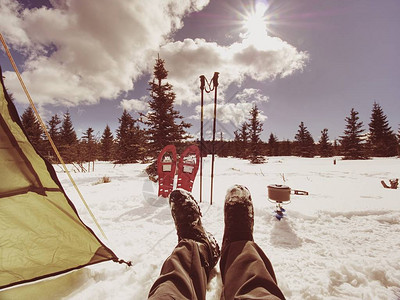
339	242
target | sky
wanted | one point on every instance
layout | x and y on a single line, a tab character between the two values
305	61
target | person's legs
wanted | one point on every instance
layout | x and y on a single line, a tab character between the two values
183	275
185	272
246	271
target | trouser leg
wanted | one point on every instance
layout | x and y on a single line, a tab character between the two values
183	275
247	273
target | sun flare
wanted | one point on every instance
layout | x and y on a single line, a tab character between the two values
256	22
255	25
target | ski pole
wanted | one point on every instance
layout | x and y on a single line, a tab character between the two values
202	84
215	83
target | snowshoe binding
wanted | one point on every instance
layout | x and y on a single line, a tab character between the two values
188	166
166	166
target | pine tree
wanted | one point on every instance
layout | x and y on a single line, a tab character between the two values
242	140
398	142
382	140
286	148
53	127
89	145
107	144
304	141
11	95
273	145
352	140
236	145
336	147
161	120
325	146
68	140
126	122
255	129
67	132
33	129
130	142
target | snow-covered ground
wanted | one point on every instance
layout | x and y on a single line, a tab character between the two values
341	241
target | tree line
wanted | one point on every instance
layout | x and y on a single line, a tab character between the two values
355	143
141	139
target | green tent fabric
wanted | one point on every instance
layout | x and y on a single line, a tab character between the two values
41	233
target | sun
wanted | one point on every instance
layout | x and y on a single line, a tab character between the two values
255	23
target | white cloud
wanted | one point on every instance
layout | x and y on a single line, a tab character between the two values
80	52
234	113
252	95
268	59
135	104
11	24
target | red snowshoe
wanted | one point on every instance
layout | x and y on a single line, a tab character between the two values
187	167
166	166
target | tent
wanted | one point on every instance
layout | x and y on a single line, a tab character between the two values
41	233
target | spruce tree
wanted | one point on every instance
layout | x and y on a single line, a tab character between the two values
324	145
242	140
398	142
381	140
304	142
352	140
11	95
33	129
68	140
336	147
89	146
67	132
273	145
286	148
237	150
162	120
130	142
255	129
53	127
107	144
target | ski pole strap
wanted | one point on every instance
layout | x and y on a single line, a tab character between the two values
299	192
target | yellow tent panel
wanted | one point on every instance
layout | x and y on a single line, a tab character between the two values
41	233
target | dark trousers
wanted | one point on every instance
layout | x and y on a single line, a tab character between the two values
246	273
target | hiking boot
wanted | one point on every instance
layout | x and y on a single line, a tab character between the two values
187	217
239	215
